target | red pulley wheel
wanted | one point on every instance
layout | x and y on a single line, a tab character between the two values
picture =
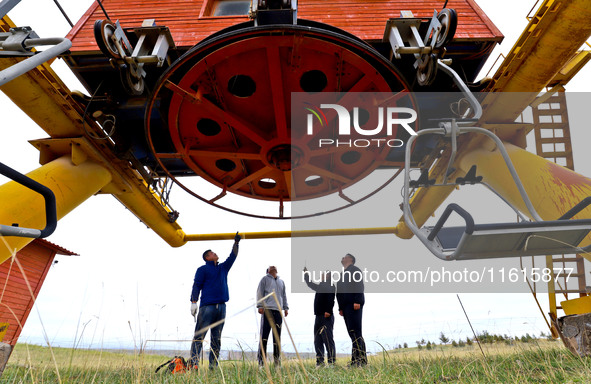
225	111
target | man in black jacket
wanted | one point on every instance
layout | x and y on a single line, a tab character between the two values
324	322
351	299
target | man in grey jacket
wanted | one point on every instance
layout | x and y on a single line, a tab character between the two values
271	313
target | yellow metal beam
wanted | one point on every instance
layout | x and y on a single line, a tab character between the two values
127	186
283	234
71	184
553	36
552	189
42	95
140	201
570	69
552	291
577	306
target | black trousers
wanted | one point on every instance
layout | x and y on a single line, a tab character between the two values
323	338
270	319
353	323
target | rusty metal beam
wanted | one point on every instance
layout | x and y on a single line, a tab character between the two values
552	37
42	95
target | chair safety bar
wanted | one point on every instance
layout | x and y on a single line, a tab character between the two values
576	209
50	207
448	210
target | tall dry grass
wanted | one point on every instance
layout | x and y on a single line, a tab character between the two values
536	362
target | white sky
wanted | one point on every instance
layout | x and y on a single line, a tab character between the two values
128	286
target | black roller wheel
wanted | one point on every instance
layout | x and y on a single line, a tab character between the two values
104	33
132	84
449	22
427	71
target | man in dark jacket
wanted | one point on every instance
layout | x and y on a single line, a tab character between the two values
211	281
324	322
351	299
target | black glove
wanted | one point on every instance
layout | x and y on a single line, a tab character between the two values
237	238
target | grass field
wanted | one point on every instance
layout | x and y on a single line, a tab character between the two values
534	362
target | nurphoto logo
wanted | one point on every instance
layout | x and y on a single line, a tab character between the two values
387	118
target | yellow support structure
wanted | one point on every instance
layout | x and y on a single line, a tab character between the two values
552	189
71	184
42	95
302	233
140	201
552	38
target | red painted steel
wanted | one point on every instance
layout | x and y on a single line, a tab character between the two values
242	137
16	300
365	19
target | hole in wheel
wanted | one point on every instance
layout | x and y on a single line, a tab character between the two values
313	181
241	86
267	183
350	157
225	165
208	127
313	81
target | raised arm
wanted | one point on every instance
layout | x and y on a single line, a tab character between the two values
313	286
232	258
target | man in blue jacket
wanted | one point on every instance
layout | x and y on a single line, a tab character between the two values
211	281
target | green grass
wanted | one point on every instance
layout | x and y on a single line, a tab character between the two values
536	362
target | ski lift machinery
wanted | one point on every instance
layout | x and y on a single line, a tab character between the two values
457	243
139	57
473	241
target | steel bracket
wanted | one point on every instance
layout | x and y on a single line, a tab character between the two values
153	44
12	43
405	39
265	12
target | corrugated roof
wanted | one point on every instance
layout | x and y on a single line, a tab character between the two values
58	249
365	19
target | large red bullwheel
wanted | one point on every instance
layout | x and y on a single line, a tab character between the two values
224	112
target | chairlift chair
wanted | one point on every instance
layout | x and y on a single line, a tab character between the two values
484	241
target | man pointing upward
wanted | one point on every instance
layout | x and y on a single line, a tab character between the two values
211	281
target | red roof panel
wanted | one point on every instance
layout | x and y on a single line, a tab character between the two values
364	19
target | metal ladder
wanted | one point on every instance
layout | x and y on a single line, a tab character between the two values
553	142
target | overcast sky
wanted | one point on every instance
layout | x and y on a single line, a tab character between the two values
128	287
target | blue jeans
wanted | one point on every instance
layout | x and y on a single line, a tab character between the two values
208	314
